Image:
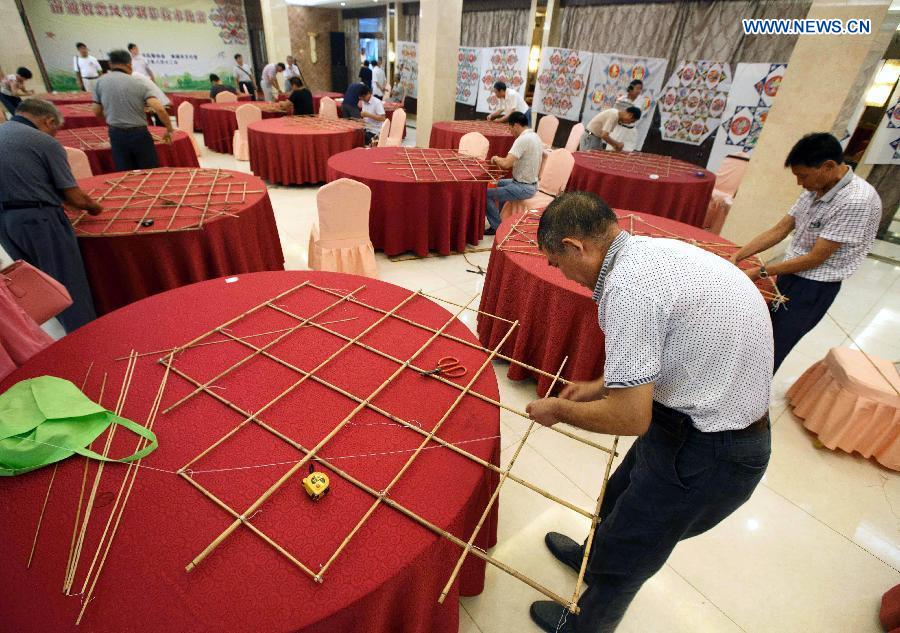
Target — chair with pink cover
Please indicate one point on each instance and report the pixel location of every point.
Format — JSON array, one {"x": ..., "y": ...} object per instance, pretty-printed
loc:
[
  {"x": 20, "y": 337},
  {"x": 383, "y": 134},
  {"x": 246, "y": 114},
  {"x": 79, "y": 163},
  {"x": 575, "y": 137},
  {"x": 226, "y": 97},
  {"x": 556, "y": 171},
  {"x": 852, "y": 402},
  {"x": 729, "y": 176},
  {"x": 185, "y": 122},
  {"x": 339, "y": 241},
  {"x": 328, "y": 108},
  {"x": 546, "y": 129},
  {"x": 474, "y": 144},
  {"x": 398, "y": 126}
]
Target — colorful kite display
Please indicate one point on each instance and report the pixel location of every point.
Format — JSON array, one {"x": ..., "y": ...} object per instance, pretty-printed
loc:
[
  {"x": 408, "y": 68},
  {"x": 561, "y": 82},
  {"x": 468, "y": 70},
  {"x": 693, "y": 101},
  {"x": 885, "y": 146},
  {"x": 508, "y": 64}
]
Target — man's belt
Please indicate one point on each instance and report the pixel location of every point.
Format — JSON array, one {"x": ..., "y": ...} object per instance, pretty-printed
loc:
[
  {"x": 759, "y": 426},
  {"x": 14, "y": 205}
]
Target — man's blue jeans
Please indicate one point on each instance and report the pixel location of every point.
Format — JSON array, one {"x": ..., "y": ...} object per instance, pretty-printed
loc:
[
  {"x": 674, "y": 483},
  {"x": 506, "y": 190}
]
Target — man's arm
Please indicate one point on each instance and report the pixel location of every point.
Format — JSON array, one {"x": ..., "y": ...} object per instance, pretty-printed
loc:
[
  {"x": 97, "y": 108},
  {"x": 821, "y": 250},
  {"x": 766, "y": 239},
  {"x": 156, "y": 105},
  {"x": 372, "y": 115},
  {"x": 624, "y": 411},
  {"x": 75, "y": 197},
  {"x": 505, "y": 162}
]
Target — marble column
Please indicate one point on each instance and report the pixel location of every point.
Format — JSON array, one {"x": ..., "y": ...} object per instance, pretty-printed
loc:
[{"x": 440, "y": 22}]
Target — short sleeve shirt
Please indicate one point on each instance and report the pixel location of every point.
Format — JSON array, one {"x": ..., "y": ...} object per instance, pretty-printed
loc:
[
  {"x": 217, "y": 88},
  {"x": 625, "y": 135},
  {"x": 140, "y": 65},
  {"x": 605, "y": 121},
  {"x": 33, "y": 165},
  {"x": 11, "y": 83},
  {"x": 374, "y": 106},
  {"x": 690, "y": 322},
  {"x": 123, "y": 98},
  {"x": 849, "y": 213},
  {"x": 378, "y": 79},
  {"x": 302, "y": 101},
  {"x": 243, "y": 73},
  {"x": 269, "y": 72},
  {"x": 88, "y": 67},
  {"x": 514, "y": 102},
  {"x": 528, "y": 150}
]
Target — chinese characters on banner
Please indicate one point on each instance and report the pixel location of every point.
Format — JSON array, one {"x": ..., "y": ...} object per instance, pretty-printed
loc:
[
  {"x": 508, "y": 64},
  {"x": 610, "y": 76},
  {"x": 693, "y": 101},
  {"x": 561, "y": 82},
  {"x": 407, "y": 69},
  {"x": 467, "y": 71}
]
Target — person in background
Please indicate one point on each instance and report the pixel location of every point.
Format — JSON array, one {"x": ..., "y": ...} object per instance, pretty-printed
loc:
[
  {"x": 372, "y": 114},
  {"x": 630, "y": 98},
  {"x": 599, "y": 133},
  {"x": 216, "y": 86},
  {"x": 508, "y": 101},
  {"x": 139, "y": 63},
  {"x": 834, "y": 223},
  {"x": 365, "y": 74},
  {"x": 379, "y": 79},
  {"x": 291, "y": 69},
  {"x": 300, "y": 97},
  {"x": 12, "y": 88},
  {"x": 35, "y": 181},
  {"x": 269, "y": 80},
  {"x": 350, "y": 106},
  {"x": 121, "y": 98},
  {"x": 524, "y": 159},
  {"x": 243, "y": 76},
  {"x": 87, "y": 68}
]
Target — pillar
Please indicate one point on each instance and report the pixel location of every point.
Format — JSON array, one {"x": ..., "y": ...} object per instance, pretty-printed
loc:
[
  {"x": 276, "y": 24},
  {"x": 440, "y": 22},
  {"x": 550, "y": 37}
]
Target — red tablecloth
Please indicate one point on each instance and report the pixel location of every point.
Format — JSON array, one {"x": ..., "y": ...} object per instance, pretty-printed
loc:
[
  {"x": 196, "y": 98},
  {"x": 623, "y": 181},
  {"x": 67, "y": 98},
  {"x": 126, "y": 261},
  {"x": 295, "y": 150},
  {"x": 317, "y": 98},
  {"x": 79, "y": 115},
  {"x": 446, "y": 135},
  {"x": 411, "y": 215},
  {"x": 220, "y": 122},
  {"x": 557, "y": 317},
  {"x": 389, "y": 577},
  {"x": 94, "y": 141}
]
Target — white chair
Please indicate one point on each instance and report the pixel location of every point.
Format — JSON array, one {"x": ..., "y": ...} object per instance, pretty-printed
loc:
[
  {"x": 328, "y": 108},
  {"x": 383, "y": 134},
  {"x": 728, "y": 178},
  {"x": 554, "y": 178},
  {"x": 226, "y": 97},
  {"x": 474, "y": 144},
  {"x": 339, "y": 241},
  {"x": 575, "y": 137},
  {"x": 79, "y": 163},
  {"x": 387, "y": 92},
  {"x": 546, "y": 129},
  {"x": 398, "y": 126},
  {"x": 185, "y": 122},
  {"x": 246, "y": 114}
]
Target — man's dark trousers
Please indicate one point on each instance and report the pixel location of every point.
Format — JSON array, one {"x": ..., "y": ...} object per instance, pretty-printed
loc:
[{"x": 132, "y": 148}]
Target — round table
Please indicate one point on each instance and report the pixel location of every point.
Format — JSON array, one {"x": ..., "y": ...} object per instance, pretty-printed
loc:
[
  {"x": 681, "y": 192},
  {"x": 295, "y": 150},
  {"x": 94, "y": 141},
  {"x": 67, "y": 98},
  {"x": 391, "y": 573},
  {"x": 206, "y": 223},
  {"x": 446, "y": 135},
  {"x": 196, "y": 98},
  {"x": 557, "y": 317},
  {"x": 411, "y": 210},
  {"x": 79, "y": 115},
  {"x": 220, "y": 122},
  {"x": 317, "y": 98}
]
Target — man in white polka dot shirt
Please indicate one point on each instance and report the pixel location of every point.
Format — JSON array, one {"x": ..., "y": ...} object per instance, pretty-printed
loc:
[{"x": 688, "y": 368}]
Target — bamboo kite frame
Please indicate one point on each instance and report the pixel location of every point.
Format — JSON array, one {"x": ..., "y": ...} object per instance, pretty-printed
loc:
[
  {"x": 311, "y": 455},
  {"x": 316, "y": 121},
  {"x": 483, "y": 127},
  {"x": 90, "y": 138},
  {"x": 441, "y": 165},
  {"x": 641, "y": 164}
]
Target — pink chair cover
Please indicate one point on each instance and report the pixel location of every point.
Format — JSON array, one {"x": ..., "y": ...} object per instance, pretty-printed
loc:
[
  {"x": 554, "y": 176},
  {"x": 246, "y": 114},
  {"x": 546, "y": 129},
  {"x": 226, "y": 97},
  {"x": 851, "y": 405},
  {"x": 327, "y": 108},
  {"x": 474, "y": 144},
  {"x": 185, "y": 122},
  {"x": 383, "y": 134},
  {"x": 20, "y": 336},
  {"x": 728, "y": 178},
  {"x": 79, "y": 163},
  {"x": 575, "y": 137},
  {"x": 398, "y": 125},
  {"x": 340, "y": 242}
]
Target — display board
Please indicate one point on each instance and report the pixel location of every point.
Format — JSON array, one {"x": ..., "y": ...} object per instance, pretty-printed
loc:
[
  {"x": 885, "y": 146},
  {"x": 562, "y": 80},
  {"x": 407, "y": 69},
  {"x": 693, "y": 100},
  {"x": 468, "y": 70},
  {"x": 508, "y": 64}
]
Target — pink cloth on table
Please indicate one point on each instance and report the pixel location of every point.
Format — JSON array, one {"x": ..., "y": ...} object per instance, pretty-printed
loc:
[
  {"x": 851, "y": 405},
  {"x": 20, "y": 336}
]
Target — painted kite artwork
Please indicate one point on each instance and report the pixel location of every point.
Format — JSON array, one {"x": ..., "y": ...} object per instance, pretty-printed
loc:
[
  {"x": 468, "y": 69},
  {"x": 610, "y": 76},
  {"x": 884, "y": 148},
  {"x": 228, "y": 15},
  {"x": 693, "y": 100},
  {"x": 508, "y": 64},
  {"x": 408, "y": 68},
  {"x": 561, "y": 82}
]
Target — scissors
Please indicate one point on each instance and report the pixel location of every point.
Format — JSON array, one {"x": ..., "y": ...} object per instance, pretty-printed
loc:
[{"x": 447, "y": 366}]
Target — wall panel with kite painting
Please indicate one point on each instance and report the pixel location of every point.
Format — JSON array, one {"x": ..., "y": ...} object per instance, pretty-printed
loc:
[
  {"x": 561, "y": 82},
  {"x": 408, "y": 69},
  {"x": 508, "y": 64},
  {"x": 468, "y": 70},
  {"x": 693, "y": 101}
]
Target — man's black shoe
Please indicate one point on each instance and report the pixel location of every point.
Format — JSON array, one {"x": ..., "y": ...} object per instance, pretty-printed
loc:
[
  {"x": 552, "y": 617},
  {"x": 565, "y": 549}
]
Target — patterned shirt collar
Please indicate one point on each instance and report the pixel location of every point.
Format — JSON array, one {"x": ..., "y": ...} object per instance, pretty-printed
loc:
[
  {"x": 843, "y": 182},
  {"x": 617, "y": 243}
]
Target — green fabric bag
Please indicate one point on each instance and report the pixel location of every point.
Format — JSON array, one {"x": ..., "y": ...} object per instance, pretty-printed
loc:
[{"x": 44, "y": 420}]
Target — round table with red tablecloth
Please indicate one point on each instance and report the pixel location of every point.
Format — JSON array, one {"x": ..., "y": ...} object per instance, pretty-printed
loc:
[
  {"x": 317, "y": 98},
  {"x": 168, "y": 227},
  {"x": 446, "y": 135},
  {"x": 557, "y": 317},
  {"x": 680, "y": 191},
  {"x": 78, "y": 115},
  {"x": 66, "y": 98},
  {"x": 295, "y": 150},
  {"x": 196, "y": 98},
  {"x": 389, "y": 576},
  {"x": 416, "y": 209},
  {"x": 220, "y": 122},
  {"x": 94, "y": 141}
]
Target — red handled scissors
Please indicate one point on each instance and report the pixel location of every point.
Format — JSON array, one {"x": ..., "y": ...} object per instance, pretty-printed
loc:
[{"x": 447, "y": 366}]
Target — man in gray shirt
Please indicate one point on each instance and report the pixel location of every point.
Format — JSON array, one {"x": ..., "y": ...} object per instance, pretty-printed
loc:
[
  {"x": 525, "y": 161},
  {"x": 35, "y": 179},
  {"x": 121, "y": 99}
]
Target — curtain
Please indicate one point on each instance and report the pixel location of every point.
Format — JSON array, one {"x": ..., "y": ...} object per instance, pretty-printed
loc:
[
  {"x": 495, "y": 28},
  {"x": 351, "y": 48},
  {"x": 410, "y": 30},
  {"x": 632, "y": 29}
]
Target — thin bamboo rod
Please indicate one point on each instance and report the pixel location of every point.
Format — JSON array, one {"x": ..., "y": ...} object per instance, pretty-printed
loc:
[
  {"x": 154, "y": 200},
  {"x": 184, "y": 195},
  {"x": 127, "y": 202},
  {"x": 494, "y": 496}
]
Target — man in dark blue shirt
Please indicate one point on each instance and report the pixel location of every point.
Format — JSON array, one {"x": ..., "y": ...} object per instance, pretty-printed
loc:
[
  {"x": 350, "y": 107},
  {"x": 365, "y": 74}
]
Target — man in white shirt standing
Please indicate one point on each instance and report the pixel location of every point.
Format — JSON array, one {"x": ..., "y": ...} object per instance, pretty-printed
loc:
[
  {"x": 139, "y": 63},
  {"x": 372, "y": 112},
  {"x": 524, "y": 159},
  {"x": 243, "y": 76},
  {"x": 87, "y": 68},
  {"x": 269, "y": 80},
  {"x": 291, "y": 69},
  {"x": 599, "y": 132},
  {"x": 508, "y": 101},
  {"x": 630, "y": 98},
  {"x": 379, "y": 80}
]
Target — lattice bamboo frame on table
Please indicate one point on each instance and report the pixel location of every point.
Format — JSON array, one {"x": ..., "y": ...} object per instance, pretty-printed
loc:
[
  {"x": 631, "y": 162},
  {"x": 430, "y": 438},
  {"x": 86, "y": 108},
  {"x": 522, "y": 239},
  {"x": 262, "y": 105},
  {"x": 89, "y": 138},
  {"x": 442, "y": 165},
  {"x": 315, "y": 121},
  {"x": 199, "y": 195},
  {"x": 483, "y": 127}
]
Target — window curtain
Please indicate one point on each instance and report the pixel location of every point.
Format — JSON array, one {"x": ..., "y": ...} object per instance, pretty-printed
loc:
[
  {"x": 410, "y": 30},
  {"x": 495, "y": 28}
]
